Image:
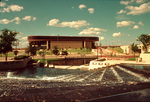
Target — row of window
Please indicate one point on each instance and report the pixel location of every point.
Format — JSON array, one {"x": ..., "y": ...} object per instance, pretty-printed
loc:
[{"x": 94, "y": 63}]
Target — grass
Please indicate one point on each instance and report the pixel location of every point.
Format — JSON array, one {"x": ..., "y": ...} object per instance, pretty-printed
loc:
[
  {"x": 79, "y": 51},
  {"x": 10, "y": 54},
  {"x": 131, "y": 59},
  {"x": 118, "y": 49}
]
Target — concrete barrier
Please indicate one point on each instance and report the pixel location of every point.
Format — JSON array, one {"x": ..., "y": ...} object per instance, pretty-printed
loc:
[
  {"x": 14, "y": 64},
  {"x": 145, "y": 57}
]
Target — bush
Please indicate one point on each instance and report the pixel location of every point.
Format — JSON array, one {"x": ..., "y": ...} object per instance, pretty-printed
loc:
[
  {"x": 15, "y": 53},
  {"x": 21, "y": 57},
  {"x": 64, "y": 53}
]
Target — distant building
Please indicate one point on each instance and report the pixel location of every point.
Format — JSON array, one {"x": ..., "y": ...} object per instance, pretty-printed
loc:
[
  {"x": 126, "y": 49},
  {"x": 141, "y": 47},
  {"x": 47, "y": 42}
]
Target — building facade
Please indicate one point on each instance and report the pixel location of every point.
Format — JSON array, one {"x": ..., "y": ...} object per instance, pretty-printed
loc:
[{"x": 48, "y": 42}]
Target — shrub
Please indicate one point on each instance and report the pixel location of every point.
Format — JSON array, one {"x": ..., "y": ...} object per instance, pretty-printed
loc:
[
  {"x": 64, "y": 53},
  {"x": 20, "y": 57}
]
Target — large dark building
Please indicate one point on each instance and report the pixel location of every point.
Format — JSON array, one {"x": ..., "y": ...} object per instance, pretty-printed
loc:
[{"x": 47, "y": 42}]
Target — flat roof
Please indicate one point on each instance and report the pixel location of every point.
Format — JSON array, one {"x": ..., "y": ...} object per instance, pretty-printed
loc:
[{"x": 62, "y": 38}]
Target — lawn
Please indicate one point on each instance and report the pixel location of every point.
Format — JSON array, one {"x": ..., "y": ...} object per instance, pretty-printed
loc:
[{"x": 118, "y": 49}]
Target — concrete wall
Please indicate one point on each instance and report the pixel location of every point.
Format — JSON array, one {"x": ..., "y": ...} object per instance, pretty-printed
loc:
[
  {"x": 125, "y": 48},
  {"x": 88, "y": 44},
  {"x": 14, "y": 64},
  {"x": 145, "y": 57},
  {"x": 67, "y": 44}
]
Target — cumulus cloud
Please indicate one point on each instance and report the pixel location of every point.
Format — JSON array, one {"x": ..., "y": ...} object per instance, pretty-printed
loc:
[
  {"x": 125, "y": 23},
  {"x": 92, "y": 31},
  {"x": 82, "y": 6},
  {"x": 29, "y": 18},
  {"x": 91, "y": 10},
  {"x": 16, "y": 19},
  {"x": 125, "y": 2},
  {"x": 122, "y": 11},
  {"x": 140, "y": 1},
  {"x": 141, "y": 23},
  {"x": 135, "y": 10},
  {"x": 116, "y": 34},
  {"x": 4, "y": 21},
  {"x": 2, "y": 4},
  {"x": 136, "y": 27},
  {"x": 73, "y": 24},
  {"x": 12, "y": 8},
  {"x": 23, "y": 38},
  {"x": 101, "y": 38}
]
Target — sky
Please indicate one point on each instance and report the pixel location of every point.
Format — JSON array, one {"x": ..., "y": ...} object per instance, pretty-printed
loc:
[{"x": 115, "y": 22}]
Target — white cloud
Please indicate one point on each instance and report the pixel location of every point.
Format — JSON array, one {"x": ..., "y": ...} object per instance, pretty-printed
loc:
[
  {"x": 91, "y": 10},
  {"x": 116, "y": 34},
  {"x": 53, "y": 22},
  {"x": 82, "y": 6},
  {"x": 4, "y": 21},
  {"x": 29, "y": 18},
  {"x": 122, "y": 11},
  {"x": 2, "y": 4},
  {"x": 124, "y": 2},
  {"x": 34, "y": 18},
  {"x": 140, "y": 1},
  {"x": 125, "y": 23},
  {"x": 17, "y": 19},
  {"x": 73, "y": 24},
  {"x": 12, "y": 8},
  {"x": 143, "y": 8},
  {"x": 136, "y": 27},
  {"x": 15, "y": 8},
  {"x": 23, "y": 44},
  {"x": 141, "y": 23},
  {"x": 101, "y": 38},
  {"x": 92, "y": 31},
  {"x": 23, "y": 38}
]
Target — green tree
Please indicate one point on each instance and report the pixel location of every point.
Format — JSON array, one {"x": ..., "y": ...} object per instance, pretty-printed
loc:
[
  {"x": 134, "y": 48},
  {"x": 31, "y": 50},
  {"x": 55, "y": 50},
  {"x": 7, "y": 38},
  {"x": 145, "y": 39}
]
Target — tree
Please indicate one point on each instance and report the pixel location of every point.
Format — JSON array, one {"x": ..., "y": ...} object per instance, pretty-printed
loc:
[
  {"x": 145, "y": 39},
  {"x": 7, "y": 38},
  {"x": 55, "y": 50},
  {"x": 134, "y": 48},
  {"x": 31, "y": 50}
]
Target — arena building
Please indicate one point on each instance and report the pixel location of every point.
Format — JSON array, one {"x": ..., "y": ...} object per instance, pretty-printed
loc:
[{"x": 47, "y": 42}]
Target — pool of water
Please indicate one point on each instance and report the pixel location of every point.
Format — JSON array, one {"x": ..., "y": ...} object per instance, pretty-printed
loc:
[{"x": 141, "y": 67}]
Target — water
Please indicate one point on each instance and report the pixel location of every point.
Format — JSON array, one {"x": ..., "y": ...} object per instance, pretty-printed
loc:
[
  {"x": 43, "y": 83},
  {"x": 141, "y": 67}
]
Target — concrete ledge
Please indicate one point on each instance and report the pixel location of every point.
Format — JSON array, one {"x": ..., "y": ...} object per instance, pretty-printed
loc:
[
  {"x": 14, "y": 64},
  {"x": 145, "y": 57}
]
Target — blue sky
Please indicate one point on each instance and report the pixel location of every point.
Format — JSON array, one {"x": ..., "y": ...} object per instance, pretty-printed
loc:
[{"x": 116, "y": 22}]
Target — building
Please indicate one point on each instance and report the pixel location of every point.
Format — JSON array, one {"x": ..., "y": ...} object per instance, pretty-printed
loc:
[
  {"x": 126, "y": 49},
  {"x": 47, "y": 42}
]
